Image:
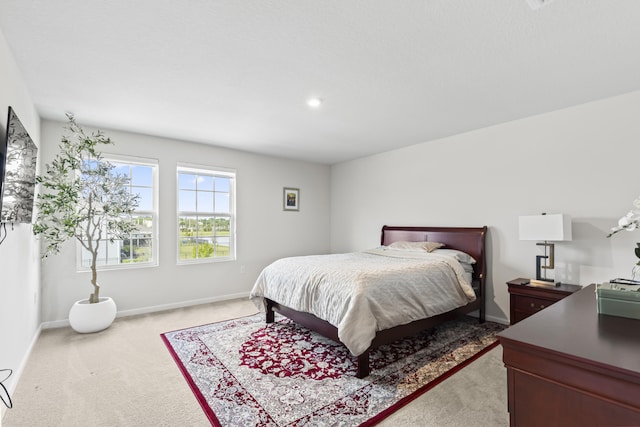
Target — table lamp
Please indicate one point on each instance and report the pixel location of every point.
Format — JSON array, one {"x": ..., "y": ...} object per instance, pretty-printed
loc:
[{"x": 552, "y": 227}]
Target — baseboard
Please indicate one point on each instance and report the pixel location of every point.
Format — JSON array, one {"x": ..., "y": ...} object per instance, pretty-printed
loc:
[
  {"x": 501, "y": 320},
  {"x": 144, "y": 310}
]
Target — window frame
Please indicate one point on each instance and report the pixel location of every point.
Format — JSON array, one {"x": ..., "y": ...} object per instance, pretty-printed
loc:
[
  {"x": 211, "y": 171},
  {"x": 154, "y": 213}
]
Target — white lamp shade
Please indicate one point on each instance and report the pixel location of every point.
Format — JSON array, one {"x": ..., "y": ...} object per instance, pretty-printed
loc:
[{"x": 553, "y": 227}]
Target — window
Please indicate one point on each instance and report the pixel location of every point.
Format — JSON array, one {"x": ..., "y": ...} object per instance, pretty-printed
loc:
[
  {"x": 206, "y": 221},
  {"x": 140, "y": 248}
]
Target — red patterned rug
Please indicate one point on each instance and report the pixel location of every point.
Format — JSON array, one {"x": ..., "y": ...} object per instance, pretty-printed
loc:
[{"x": 247, "y": 373}]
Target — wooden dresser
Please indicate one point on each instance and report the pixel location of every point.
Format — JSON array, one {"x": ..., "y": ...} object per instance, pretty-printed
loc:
[{"x": 570, "y": 366}]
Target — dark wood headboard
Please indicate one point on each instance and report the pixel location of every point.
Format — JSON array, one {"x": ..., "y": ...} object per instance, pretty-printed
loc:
[{"x": 467, "y": 239}]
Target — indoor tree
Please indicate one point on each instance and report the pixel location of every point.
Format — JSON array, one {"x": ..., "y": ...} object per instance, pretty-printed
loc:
[{"x": 82, "y": 196}]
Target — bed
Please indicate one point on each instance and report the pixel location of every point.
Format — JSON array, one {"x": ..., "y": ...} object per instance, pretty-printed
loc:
[{"x": 276, "y": 288}]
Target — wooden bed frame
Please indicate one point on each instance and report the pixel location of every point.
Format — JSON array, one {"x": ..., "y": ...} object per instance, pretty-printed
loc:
[{"x": 466, "y": 239}]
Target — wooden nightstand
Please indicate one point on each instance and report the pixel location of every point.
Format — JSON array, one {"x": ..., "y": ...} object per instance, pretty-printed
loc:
[{"x": 526, "y": 300}]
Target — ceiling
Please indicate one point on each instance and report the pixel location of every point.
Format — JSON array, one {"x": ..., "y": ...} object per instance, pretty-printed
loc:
[{"x": 238, "y": 73}]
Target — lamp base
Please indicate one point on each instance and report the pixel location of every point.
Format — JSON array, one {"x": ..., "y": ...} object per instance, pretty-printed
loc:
[{"x": 543, "y": 283}]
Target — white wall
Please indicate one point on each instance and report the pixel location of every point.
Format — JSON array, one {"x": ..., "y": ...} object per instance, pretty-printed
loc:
[
  {"x": 265, "y": 232},
  {"x": 19, "y": 260},
  {"x": 582, "y": 161}
]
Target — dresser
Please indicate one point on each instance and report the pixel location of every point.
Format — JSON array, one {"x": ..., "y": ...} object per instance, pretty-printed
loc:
[
  {"x": 570, "y": 366},
  {"x": 526, "y": 300}
]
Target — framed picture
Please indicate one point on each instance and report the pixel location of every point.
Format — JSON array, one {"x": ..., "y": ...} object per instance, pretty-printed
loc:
[{"x": 291, "y": 199}]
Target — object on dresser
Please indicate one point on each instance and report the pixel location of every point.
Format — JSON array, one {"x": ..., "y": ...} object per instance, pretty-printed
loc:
[
  {"x": 621, "y": 281},
  {"x": 544, "y": 284},
  {"x": 618, "y": 300}
]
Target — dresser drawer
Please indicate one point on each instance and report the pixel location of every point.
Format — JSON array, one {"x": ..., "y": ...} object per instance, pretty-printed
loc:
[{"x": 530, "y": 305}]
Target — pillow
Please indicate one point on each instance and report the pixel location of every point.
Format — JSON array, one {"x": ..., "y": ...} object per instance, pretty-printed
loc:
[
  {"x": 462, "y": 257},
  {"x": 416, "y": 246},
  {"x": 468, "y": 268}
]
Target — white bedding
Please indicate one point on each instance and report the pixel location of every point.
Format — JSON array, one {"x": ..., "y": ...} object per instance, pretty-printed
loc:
[{"x": 363, "y": 292}]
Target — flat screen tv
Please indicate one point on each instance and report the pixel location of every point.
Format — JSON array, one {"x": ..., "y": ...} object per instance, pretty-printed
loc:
[
  {"x": 3, "y": 159},
  {"x": 18, "y": 171}
]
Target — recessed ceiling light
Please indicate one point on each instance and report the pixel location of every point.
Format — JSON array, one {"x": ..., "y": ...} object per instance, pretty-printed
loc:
[
  {"x": 314, "y": 102},
  {"x": 537, "y": 4}
]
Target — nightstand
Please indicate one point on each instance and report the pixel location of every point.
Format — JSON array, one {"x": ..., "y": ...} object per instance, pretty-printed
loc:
[{"x": 526, "y": 300}]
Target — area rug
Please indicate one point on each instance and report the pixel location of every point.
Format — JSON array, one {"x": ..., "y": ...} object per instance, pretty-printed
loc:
[{"x": 245, "y": 372}]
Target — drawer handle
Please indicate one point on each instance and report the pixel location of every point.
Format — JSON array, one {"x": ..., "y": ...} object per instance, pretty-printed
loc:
[
  {"x": 534, "y": 306},
  {"x": 541, "y": 306}
]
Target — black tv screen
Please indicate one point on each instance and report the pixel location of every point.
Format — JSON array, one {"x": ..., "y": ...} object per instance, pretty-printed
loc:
[
  {"x": 19, "y": 172},
  {"x": 3, "y": 158}
]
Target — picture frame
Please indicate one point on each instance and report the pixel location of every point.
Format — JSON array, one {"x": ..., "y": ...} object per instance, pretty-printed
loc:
[{"x": 291, "y": 199}]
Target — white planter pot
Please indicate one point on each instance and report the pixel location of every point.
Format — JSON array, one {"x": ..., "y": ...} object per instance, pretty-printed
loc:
[{"x": 86, "y": 318}]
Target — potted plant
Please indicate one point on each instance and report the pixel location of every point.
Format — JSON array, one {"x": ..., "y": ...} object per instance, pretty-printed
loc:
[
  {"x": 83, "y": 197},
  {"x": 630, "y": 222}
]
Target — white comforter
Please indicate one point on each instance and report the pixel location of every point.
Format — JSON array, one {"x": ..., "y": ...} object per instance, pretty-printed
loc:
[{"x": 364, "y": 292}]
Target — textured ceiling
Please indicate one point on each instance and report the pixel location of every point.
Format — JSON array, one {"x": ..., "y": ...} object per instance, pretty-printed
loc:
[{"x": 237, "y": 73}]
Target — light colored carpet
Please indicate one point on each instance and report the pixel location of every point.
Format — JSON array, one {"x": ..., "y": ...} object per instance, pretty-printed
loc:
[{"x": 124, "y": 376}]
